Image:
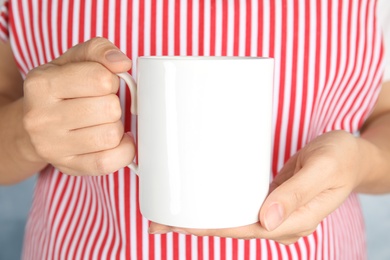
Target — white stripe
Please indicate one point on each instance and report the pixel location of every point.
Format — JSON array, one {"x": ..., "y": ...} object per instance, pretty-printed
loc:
[
  {"x": 111, "y": 19},
  {"x": 147, "y": 29},
  {"x": 206, "y": 28},
  {"x": 159, "y": 24},
  {"x": 87, "y": 20},
  {"x": 145, "y": 239},
  {"x": 264, "y": 250},
  {"x": 182, "y": 247},
  {"x": 240, "y": 249},
  {"x": 252, "y": 249},
  {"x": 229, "y": 249},
  {"x": 169, "y": 245},
  {"x": 218, "y": 28},
  {"x": 54, "y": 39},
  {"x": 99, "y": 18},
  {"x": 195, "y": 28},
  {"x": 242, "y": 29},
  {"x": 255, "y": 28},
  {"x": 194, "y": 247},
  {"x": 183, "y": 28},
  {"x": 36, "y": 31},
  {"x": 64, "y": 26},
  {"x": 157, "y": 247},
  {"x": 171, "y": 27},
  {"x": 217, "y": 247},
  {"x": 266, "y": 31},
  {"x": 230, "y": 29},
  {"x": 205, "y": 241},
  {"x": 76, "y": 23}
]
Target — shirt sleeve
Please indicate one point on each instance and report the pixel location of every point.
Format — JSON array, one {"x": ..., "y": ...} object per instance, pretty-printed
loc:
[
  {"x": 4, "y": 32},
  {"x": 384, "y": 18}
]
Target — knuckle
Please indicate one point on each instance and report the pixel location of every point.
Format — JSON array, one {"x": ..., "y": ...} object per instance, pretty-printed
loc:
[
  {"x": 101, "y": 166},
  {"x": 105, "y": 79},
  {"x": 111, "y": 137},
  {"x": 95, "y": 45},
  {"x": 113, "y": 108}
]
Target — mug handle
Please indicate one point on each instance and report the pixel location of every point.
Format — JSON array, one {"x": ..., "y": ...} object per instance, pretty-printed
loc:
[{"x": 133, "y": 93}]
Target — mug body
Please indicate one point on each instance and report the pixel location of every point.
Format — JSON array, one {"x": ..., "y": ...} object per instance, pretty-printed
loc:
[{"x": 204, "y": 139}]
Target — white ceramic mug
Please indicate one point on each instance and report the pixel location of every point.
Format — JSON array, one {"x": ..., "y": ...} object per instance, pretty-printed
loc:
[{"x": 204, "y": 138}]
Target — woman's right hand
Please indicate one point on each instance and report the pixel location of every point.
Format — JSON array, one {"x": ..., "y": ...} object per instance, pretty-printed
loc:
[{"x": 72, "y": 113}]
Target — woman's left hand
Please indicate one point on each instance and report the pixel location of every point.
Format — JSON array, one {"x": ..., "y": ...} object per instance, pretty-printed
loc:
[{"x": 310, "y": 186}]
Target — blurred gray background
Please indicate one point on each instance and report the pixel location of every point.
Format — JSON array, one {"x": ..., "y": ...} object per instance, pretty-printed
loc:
[{"x": 15, "y": 203}]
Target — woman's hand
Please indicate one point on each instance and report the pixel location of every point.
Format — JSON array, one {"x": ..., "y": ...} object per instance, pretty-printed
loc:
[
  {"x": 311, "y": 185},
  {"x": 72, "y": 113}
]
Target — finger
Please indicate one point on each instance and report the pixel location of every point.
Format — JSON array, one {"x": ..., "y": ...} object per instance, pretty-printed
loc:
[
  {"x": 156, "y": 228},
  {"x": 88, "y": 79},
  {"x": 72, "y": 114},
  {"x": 288, "y": 170},
  {"x": 93, "y": 139},
  {"x": 293, "y": 194},
  {"x": 103, "y": 162},
  {"x": 99, "y": 50}
]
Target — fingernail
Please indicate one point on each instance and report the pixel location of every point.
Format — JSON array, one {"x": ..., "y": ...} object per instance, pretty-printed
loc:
[
  {"x": 273, "y": 217},
  {"x": 116, "y": 56}
]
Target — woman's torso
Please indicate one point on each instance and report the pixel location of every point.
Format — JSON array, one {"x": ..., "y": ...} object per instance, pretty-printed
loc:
[{"x": 327, "y": 75}]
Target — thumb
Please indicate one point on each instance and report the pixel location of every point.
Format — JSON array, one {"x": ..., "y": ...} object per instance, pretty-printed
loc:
[
  {"x": 290, "y": 195},
  {"x": 98, "y": 50}
]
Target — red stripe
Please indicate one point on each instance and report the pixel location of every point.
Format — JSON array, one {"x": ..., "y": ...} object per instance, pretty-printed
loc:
[
  {"x": 224, "y": 27},
  {"x": 235, "y": 249},
  {"x": 82, "y": 22},
  {"x": 105, "y": 19},
  {"x": 246, "y": 249},
  {"x": 151, "y": 247},
  {"x": 59, "y": 27},
  {"x": 248, "y": 27},
  {"x": 141, "y": 28},
  {"x": 94, "y": 18},
  {"x": 153, "y": 30},
  {"x": 211, "y": 247},
  {"x": 175, "y": 246},
  {"x": 260, "y": 29},
  {"x": 188, "y": 247},
  {"x": 165, "y": 27},
  {"x": 236, "y": 45},
  {"x": 164, "y": 247},
  {"x": 201, "y": 28},
  {"x": 200, "y": 248},
  {"x": 213, "y": 21},
  {"x": 70, "y": 22},
  {"x": 223, "y": 248},
  {"x": 177, "y": 27},
  {"x": 189, "y": 27}
]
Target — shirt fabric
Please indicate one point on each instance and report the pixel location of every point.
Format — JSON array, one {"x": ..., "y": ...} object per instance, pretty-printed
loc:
[{"x": 328, "y": 69}]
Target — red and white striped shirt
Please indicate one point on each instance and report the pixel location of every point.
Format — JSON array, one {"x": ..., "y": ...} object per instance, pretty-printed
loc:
[{"x": 328, "y": 56}]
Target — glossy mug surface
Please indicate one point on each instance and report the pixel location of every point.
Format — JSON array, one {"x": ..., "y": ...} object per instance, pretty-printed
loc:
[{"x": 204, "y": 139}]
